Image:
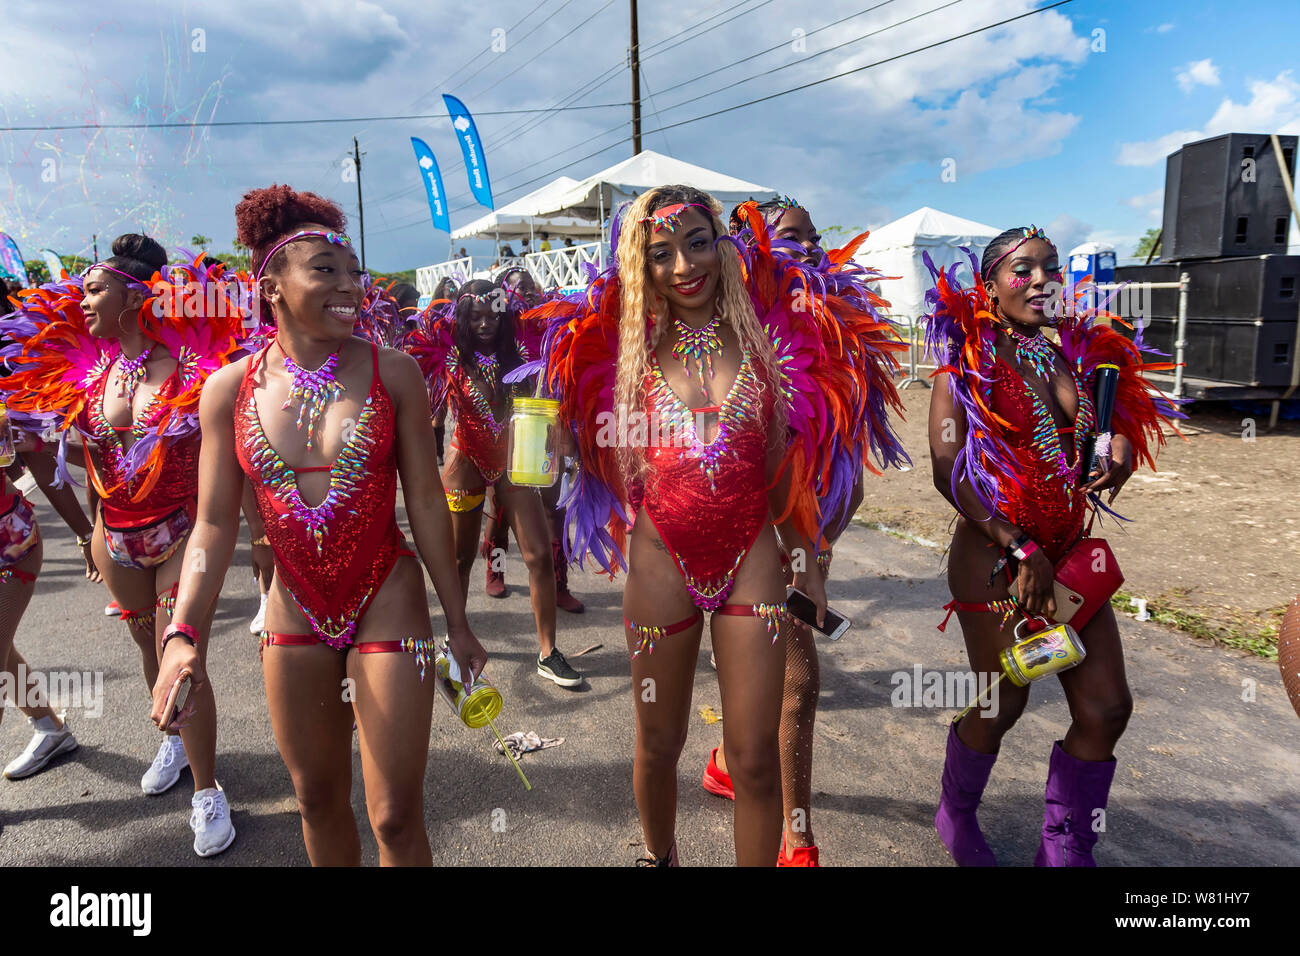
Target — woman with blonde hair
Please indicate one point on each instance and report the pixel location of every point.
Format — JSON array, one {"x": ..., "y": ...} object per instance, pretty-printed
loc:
[{"x": 708, "y": 405}]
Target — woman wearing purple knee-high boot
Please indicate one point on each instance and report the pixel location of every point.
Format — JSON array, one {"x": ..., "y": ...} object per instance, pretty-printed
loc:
[{"x": 1007, "y": 417}]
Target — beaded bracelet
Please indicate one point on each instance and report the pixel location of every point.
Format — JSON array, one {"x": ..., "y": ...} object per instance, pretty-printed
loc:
[
  {"x": 82, "y": 542},
  {"x": 263, "y": 541},
  {"x": 181, "y": 630}
]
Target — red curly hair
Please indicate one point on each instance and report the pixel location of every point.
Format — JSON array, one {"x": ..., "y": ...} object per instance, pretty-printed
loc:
[{"x": 265, "y": 216}]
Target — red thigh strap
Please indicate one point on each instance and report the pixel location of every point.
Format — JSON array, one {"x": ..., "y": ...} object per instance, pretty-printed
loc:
[
  {"x": 422, "y": 648},
  {"x": 21, "y": 575},
  {"x": 647, "y": 634},
  {"x": 773, "y": 614},
  {"x": 1006, "y": 607}
]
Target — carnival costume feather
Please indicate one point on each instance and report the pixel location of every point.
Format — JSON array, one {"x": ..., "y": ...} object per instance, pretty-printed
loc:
[
  {"x": 834, "y": 354},
  {"x": 961, "y": 333},
  {"x": 192, "y": 310}
]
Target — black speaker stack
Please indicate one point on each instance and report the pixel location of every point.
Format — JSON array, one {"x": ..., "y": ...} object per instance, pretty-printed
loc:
[{"x": 1226, "y": 222}]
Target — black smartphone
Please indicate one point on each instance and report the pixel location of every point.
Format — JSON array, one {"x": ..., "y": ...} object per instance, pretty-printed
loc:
[{"x": 803, "y": 608}]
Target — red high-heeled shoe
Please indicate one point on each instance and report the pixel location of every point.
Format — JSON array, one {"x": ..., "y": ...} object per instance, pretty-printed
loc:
[{"x": 716, "y": 781}]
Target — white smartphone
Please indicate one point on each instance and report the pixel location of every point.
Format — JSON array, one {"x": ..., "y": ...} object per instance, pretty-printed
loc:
[{"x": 803, "y": 608}]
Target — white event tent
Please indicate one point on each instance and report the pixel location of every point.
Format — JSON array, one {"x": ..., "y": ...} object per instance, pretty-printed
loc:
[
  {"x": 895, "y": 250},
  {"x": 599, "y": 195},
  {"x": 526, "y": 216}
]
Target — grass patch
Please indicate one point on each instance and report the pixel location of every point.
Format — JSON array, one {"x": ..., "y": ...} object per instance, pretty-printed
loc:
[{"x": 1256, "y": 633}]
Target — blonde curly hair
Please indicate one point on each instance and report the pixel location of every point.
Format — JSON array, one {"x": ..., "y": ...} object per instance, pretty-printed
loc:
[{"x": 638, "y": 299}]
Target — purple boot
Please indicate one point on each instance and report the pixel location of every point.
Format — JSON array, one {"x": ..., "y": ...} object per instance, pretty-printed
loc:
[
  {"x": 1076, "y": 789},
  {"x": 965, "y": 774}
]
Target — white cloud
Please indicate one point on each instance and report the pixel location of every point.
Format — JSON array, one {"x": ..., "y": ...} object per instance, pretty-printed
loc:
[
  {"x": 1274, "y": 107},
  {"x": 1149, "y": 204},
  {"x": 1162, "y": 28},
  {"x": 1068, "y": 232},
  {"x": 1197, "y": 73},
  {"x": 993, "y": 99}
]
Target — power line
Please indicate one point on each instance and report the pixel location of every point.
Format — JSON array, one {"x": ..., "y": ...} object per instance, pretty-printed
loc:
[
  {"x": 796, "y": 89},
  {"x": 490, "y": 62},
  {"x": 485, "y": 90},
  {"x": 859, "y": 69},
  {"x": 296, "y": 122},
  {"x": 601, "y": 78},
  {"x": 782, "y": 45},
  {"x": 786, "y": 66},
  {"x": 488, "y": 49}
]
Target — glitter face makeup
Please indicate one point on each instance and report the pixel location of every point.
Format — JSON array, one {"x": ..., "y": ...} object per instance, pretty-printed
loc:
[{"x": 1019, "y": 281}]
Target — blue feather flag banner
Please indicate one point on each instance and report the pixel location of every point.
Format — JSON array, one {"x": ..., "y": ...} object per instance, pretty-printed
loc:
[
  {"x": 472, "y": 149},
  {"x": 11, "y": 262},
  {"x": 432, "y": 184}
]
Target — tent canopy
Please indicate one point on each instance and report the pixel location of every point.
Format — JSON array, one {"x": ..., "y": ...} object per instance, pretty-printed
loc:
[
  {"x": 599, "y": 195},
  {"x": 526, "y": 217},
  {"x": 895, "y": 249}
]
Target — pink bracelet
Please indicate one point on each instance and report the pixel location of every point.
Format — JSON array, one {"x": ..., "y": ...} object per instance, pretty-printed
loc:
[
  {"x": 1025, "y": 551},
  {"x": 183, "y": 630}
]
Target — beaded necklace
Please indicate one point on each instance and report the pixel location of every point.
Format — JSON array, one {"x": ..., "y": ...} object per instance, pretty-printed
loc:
[
  {"x": 130, "y": 373},
  {"x": 1035, "y": 351},
  {"x": 312, "y": 390},
  {"x": 699, "y": 345},
  {"x": 489, "y": 365}
]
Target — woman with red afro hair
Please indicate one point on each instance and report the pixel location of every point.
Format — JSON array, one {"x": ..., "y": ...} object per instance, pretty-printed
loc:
[{"x": 319, "y": 415}]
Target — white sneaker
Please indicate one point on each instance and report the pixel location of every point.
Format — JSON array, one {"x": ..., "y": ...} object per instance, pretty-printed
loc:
[
  {"x": 258, "y": 624},
  {"x": 44, "y": 746},
  {"x": 166, "y": 767},
  {"x": 112, "y": 609},
  {"x": 210, "y": 822}
]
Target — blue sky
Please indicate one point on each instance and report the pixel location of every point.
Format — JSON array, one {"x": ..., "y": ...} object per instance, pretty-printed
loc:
[{"x": 1041, "y": 124}]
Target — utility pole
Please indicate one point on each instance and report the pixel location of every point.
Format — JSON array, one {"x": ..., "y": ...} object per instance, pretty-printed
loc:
[
  {"x": 361, "y": 212},
  {"x": 636, "y": 86},
  {"x": 94, "y": 241}
]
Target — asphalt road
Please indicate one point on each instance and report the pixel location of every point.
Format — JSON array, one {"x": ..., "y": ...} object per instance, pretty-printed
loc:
[{"x": 1206, "y": 776}]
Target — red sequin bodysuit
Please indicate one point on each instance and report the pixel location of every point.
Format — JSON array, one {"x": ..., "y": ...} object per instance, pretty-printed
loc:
[
  {"x": 708, "y": 502},
  {"x": 332, "y": 558},
  {"x": 479, "y": 434},
  {"x": 1047, "y": 506},
  {"x": 177, "y": 485}
]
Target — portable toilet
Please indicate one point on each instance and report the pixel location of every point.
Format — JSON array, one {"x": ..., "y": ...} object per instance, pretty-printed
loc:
[{"x": 1093, "y": 259}]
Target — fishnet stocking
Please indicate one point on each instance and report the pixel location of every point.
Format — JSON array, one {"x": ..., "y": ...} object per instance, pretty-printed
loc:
[{"x": 798, "y": 711}]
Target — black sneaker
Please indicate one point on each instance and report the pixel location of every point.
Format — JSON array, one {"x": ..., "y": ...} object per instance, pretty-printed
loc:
[
  {"x": 652, "y": 860},
  {"x": 556, "y": 668}
]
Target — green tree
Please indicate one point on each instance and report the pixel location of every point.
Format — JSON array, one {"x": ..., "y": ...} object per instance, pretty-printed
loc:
[
  {"x": 1149, "y": 241},
  {"x": 37, "y": 271},
  {"x": 200, "y": 241}
]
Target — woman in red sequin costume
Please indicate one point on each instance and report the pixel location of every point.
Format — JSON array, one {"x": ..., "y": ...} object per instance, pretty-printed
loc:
[
  {"x": 321, "y": 415},
  {"x": 794, "y": 233},
  {"x": 1009, "y": 412},
  {"x": 140, "y": 531},
  {"x": 485, "y": 347},
  {"x": 693, "y": 375}
]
